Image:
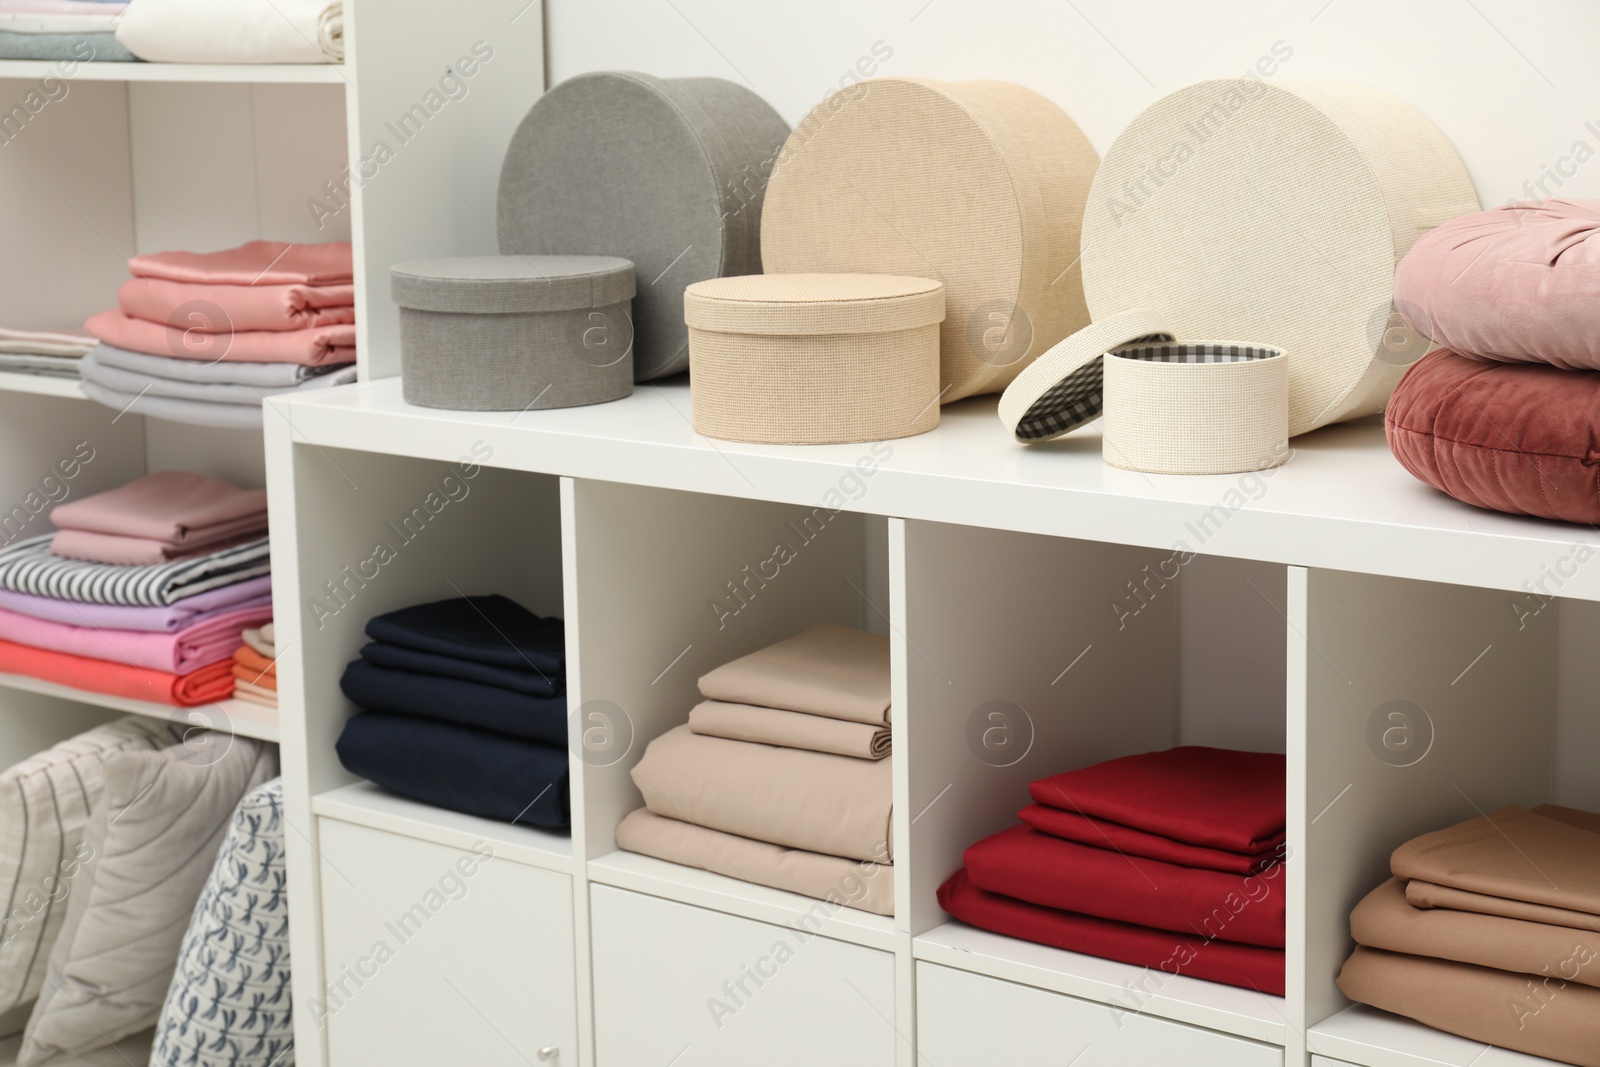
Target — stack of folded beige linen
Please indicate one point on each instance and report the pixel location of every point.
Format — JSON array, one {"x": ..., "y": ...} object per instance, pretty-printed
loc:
[
  {"x": 1491, "y": 930},
  {"x": 779, "y": 777}
]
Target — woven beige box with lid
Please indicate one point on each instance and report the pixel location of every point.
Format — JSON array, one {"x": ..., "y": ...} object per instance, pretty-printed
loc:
[
  {"x": 805, "y": 359},
  {"x": 979, "y": 184}
]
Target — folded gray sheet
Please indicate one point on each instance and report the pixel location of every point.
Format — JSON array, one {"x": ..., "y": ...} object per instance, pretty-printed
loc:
[
  {"x": 266, "y": 375},
  {"x": 82, "y": 47}
]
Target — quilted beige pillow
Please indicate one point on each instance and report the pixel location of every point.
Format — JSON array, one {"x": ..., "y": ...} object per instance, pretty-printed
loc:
[
  {"x": 44, "y": 813},
  {"x": 154, "y": 838}
]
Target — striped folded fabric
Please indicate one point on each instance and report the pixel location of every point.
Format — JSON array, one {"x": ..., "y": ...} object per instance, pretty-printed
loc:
[{"x": 30, "y": 567}]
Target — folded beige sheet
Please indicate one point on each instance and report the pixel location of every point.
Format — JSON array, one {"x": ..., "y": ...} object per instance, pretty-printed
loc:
[
  {"x": 1384, "y": 920},
  {"x": 828, "y": 670},
  {"x": 815, "y": 801},
  {"x": 791, "y": 729},
  {"x": 852, "y": 883},
  {"x": 1539, "y": 1015},
  {"x": 1515, "y": 855},
  {"x": 1428, "y": 895}
]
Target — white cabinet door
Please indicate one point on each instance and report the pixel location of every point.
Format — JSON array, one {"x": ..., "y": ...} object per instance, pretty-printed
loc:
[
  {"x": 440, "y": 956},
  {"x": 685, "y": 986},
  {"x": 966, "y": 1018}
]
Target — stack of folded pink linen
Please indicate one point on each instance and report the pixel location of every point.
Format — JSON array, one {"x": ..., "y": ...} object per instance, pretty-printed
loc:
[
  {"x": 144, "y": 591},
  {"x": 205, "y": 337}
]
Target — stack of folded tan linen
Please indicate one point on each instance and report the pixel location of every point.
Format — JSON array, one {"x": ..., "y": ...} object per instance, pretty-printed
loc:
[
  {"x": 53, "y": 354},
  {"x": 255, "y": 667},
  {"x": 1170, "y": 860},
  {"x": 205, "y": 337},
  {"x": 1491, "y": 930},
  {"x": 780, "y": 776}
]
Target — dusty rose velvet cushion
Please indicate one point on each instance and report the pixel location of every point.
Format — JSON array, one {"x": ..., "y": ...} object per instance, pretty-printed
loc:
[
  {"x": 1520, "y": 439},
  {"x": 1520, "y": 284}
]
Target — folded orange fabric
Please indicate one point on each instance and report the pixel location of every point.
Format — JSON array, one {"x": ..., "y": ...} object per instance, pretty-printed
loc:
[
  {"x": 207, "y": 685},
  {"x": 251, "y": 677},
  {"x": 250, "y": 659},
  {"x": 313, "y": 347}
]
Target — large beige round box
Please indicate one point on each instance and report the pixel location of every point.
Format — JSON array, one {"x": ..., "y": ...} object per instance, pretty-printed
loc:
[
  {"x": 1276, "y": 212},
  {"x": 980, "y": 185},
  {"x": 805, "y": 359}
]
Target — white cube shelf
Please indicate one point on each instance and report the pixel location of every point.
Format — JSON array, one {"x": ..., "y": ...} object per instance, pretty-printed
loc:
[{"x": 1101, "y": 613}]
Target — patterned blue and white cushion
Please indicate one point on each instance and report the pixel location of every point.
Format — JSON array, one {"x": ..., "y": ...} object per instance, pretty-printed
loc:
[{"x": 229, "y": 1005}]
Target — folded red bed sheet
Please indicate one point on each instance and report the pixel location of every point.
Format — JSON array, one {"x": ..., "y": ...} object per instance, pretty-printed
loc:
[
  {"x": 1249, "y": 966},
  {"x": 1071, "y": 826},
  {"x": 1210, "y": 797},
  {"x": 203, "y": 686},
  {"x": 1040, "y": 869}
]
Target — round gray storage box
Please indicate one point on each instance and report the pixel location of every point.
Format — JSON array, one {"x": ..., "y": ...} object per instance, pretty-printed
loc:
[
  {"x": 515, "y": 333},
  {"x": 667, "y": 172}
]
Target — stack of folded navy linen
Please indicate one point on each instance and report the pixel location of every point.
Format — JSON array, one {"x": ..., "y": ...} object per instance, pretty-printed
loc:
[{"x": 466, "y": 709}]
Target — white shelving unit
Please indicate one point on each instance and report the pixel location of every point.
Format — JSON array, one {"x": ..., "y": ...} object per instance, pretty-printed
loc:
[
  {"x": 138, "y": 157},
  {"x": 1315, "y": 597}
]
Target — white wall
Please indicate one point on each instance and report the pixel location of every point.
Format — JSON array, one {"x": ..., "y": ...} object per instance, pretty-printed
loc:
[{"x": 1512, "y": 84}]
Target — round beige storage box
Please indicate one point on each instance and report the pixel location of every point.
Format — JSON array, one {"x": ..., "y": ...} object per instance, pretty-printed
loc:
[
  {"x": 1275, "y": 212},
  {"x": 806, "y": 359},
  {"x": 1195, "y": 407},
  {"x": 980, "y": 185}
]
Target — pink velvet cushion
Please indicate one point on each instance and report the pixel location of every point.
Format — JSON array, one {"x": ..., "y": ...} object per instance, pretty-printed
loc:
[
  {"x": 1519, "y": 284},
  {"x": 1520, "y": 439}
]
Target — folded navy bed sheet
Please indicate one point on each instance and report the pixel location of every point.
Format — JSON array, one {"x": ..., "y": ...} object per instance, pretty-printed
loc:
[
  {"x": 458, "y": 768},
  {"x": 429, "y": 696},
  {"x": 396, "y": 657},
  {"x": 492, "y": 630}
]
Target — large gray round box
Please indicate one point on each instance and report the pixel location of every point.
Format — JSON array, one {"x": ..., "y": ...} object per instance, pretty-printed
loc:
[
  {"x": 669, "y": 173},
  {"x": 515, "y": 333}
]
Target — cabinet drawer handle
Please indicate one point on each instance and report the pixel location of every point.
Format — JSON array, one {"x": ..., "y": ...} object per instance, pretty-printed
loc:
[{"x": 549, "y": 1052}]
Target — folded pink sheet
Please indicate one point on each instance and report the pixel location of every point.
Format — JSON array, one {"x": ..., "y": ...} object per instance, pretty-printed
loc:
[
  {"x": 254, "y": 263},
  {"x": 174, "y": 507},
  {"x": 180, "y": 652},
  {"x": 141, "y": 551},
  {"x": 225, "y": 308},
  {"x": 313, "y": 347}
]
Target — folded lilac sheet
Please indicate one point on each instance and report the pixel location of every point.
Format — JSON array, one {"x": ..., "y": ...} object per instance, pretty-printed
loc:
[{"x": 252, "y": 592}]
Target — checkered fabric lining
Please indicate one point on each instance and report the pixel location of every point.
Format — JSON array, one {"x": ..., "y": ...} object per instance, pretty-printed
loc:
[
  {"x": 1077, "y": 398},
  {"x": 1193, "y": 352}
]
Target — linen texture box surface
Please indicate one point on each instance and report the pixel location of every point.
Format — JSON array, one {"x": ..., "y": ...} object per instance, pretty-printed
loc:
[
  {"x": 814, "y": 358},
  {"x": 515, "y": 333},
  {"x": 1199, "y": 407},
  {"x": 980, "y": 185},
  {"x": 1276, "y": 212},
  {"x": 669, "y": 173}
]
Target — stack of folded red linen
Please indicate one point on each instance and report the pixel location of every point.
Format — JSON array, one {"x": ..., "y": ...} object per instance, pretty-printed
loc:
[
  {"x": 1171, "y": 860},
  {"x": 141, "y": 592},
  {"x": 204, "y": 337}
]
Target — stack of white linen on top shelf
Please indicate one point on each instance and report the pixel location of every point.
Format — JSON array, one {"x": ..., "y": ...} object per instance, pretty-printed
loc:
[{"x": 235, "y": 31}]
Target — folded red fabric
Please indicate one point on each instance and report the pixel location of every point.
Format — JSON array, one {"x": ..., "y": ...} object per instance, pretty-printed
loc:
[
  {"x": 1071, "y": 826},
  {"x": 206, "y": 685},
  {"x": 253, "y": 263},
  {"x": 1212, "y": 797},
  {"x": 224, "y": 308},
  {"x": 314, "y": 347},
  {"x": 174, "y": 507},
  {"x": 1249, "y": 966},
  {"x": 1025, "y": 864}
]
